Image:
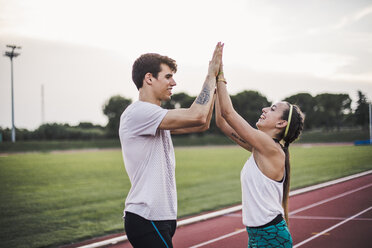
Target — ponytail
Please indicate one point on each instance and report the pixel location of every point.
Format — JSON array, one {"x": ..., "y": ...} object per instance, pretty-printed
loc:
[
  {"x": 286, "y": 182},
  {"x": 295, "y": 125}
]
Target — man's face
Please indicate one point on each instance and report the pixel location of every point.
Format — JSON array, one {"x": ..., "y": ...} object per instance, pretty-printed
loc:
[{"x": 163, "y": 85}]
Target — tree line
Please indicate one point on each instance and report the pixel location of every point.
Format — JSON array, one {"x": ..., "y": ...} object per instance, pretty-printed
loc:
[{"x": 324, "y": 111}]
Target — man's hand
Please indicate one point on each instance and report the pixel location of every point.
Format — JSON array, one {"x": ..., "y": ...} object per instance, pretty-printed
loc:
[
  {"x": 197, "y": 114},
  {"x": 215, "y": 63}
]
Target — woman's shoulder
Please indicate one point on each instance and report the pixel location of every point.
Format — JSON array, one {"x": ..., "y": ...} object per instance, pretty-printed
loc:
[{"x": 271, "y": 165}]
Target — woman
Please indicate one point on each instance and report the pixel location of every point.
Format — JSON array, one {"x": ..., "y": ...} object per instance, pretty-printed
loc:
[{"x": 265, "y": 176}]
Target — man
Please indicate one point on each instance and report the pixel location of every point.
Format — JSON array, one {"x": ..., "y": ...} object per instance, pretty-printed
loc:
[{"x": 151, "y": 205}]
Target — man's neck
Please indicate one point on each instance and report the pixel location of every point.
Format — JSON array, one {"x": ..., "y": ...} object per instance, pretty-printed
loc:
[{"x": 146, "y": 97}]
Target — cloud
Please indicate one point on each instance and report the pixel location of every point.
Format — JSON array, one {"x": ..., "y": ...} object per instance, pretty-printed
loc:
[
  {"x": 354, "y": 17},
  {"x": 317, "y": 64},
  {"x": 86, "y": 47},
  {"x": 77, "y": 81}
]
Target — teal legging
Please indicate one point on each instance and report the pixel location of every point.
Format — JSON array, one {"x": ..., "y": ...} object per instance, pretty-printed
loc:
[{"x": 272, "y": 236}]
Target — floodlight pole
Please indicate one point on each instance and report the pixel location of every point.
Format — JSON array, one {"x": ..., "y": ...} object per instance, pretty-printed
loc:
[
  {"x": 11, "y": 55},
  {"x": 42, "y": 105},
  {"x": 370, "y": 123}
]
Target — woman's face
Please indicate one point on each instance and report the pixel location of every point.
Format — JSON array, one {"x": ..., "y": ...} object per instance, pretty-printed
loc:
[{"x": 271, "y": 116}]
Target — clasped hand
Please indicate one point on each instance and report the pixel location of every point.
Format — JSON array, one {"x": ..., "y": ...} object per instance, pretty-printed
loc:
[{"x": 215, "y": 65}]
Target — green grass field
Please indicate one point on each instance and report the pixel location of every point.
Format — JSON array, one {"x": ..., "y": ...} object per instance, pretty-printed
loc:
[
  {"x": 311, "y": 136},
  {"x": 51, "y": 199}
]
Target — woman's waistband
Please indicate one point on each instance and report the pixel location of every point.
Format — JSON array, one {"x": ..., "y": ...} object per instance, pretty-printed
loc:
[{"x": 275, "y": 221}]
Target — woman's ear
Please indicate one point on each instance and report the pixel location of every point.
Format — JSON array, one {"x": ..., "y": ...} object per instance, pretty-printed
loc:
[
  {"x": 281, "y": 124},
  {"x": 148, "y": 78}
]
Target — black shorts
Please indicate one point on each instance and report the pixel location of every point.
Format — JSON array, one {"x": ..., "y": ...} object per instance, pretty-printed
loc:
[{"x": 146, "y": 233}]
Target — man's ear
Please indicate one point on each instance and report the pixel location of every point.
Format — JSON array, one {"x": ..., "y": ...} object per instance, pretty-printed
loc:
[
  {"x": 281, "y": 124},
  {"x": 148, "y": 78}
]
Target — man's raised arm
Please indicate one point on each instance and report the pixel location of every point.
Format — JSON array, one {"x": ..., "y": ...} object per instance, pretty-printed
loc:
[{"x": 197, "y": 114}]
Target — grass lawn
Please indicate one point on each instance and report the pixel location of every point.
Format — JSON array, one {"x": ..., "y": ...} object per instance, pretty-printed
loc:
[
  {"x": 311, "y": 136},
  {"x": 50, "y": 199}
]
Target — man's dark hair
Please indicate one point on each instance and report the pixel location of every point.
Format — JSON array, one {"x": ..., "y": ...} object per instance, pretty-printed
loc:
[{"x": 150, "y": 62}]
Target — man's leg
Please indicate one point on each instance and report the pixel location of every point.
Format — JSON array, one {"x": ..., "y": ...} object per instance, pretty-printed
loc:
[{"x": 144, "y": 233}]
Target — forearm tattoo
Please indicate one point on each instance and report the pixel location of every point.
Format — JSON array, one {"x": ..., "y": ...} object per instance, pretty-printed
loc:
[
  {"x": 238, "y": 138},
  {"x": 204, "y": 95}
]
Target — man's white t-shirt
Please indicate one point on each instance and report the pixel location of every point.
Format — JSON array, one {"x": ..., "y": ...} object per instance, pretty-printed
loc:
[{"x": 149, "y": 161}]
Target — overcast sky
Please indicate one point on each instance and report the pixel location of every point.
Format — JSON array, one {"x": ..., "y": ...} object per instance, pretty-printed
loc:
[{"x": 82, "y": 50}]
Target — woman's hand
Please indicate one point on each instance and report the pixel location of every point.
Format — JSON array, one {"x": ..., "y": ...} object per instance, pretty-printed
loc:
[
  {"x": 215, "y": 63},
  {"x": 221, "y": 76}
]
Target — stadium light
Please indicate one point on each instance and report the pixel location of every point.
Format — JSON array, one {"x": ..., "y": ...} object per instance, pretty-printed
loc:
[
  {"x": 11, "y": 54},
  {"x": 370, "y": 123}
]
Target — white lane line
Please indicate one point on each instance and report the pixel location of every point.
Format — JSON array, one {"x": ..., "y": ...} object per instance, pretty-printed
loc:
[
  {"x": 331, "y": 228},
  {"x": 330, "y": 199},
  {"x": 304, "y": 217},
  {"x": 105, "y": 242},
  {"x": 232, "y": 209},
  {"x": 209, "y": 215},
  {"x": 329, "y": 183},
  {"x": 301, "y": 217},
  {"x": 179, "y": 223},
  {"x": 293, "y": 212},
  {"x": 219, "y": 238}
]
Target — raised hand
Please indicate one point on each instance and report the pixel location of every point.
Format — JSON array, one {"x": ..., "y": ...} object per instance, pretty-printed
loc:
[
  {"x": 215, "y": 63},
  {"x": 221, "y": 76}
]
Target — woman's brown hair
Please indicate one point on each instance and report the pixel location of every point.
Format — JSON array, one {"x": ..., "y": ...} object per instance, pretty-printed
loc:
[{"x": 296, "y": 126}]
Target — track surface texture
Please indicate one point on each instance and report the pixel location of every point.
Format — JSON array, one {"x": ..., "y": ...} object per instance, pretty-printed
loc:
[{"x": 339, "y": 215}]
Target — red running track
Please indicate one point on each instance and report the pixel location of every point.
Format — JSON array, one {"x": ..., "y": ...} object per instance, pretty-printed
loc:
[{"x": 335, "y": 216}]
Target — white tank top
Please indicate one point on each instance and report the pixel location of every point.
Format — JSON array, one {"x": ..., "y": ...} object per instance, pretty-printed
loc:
[{"x": 261, "y": 196}]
